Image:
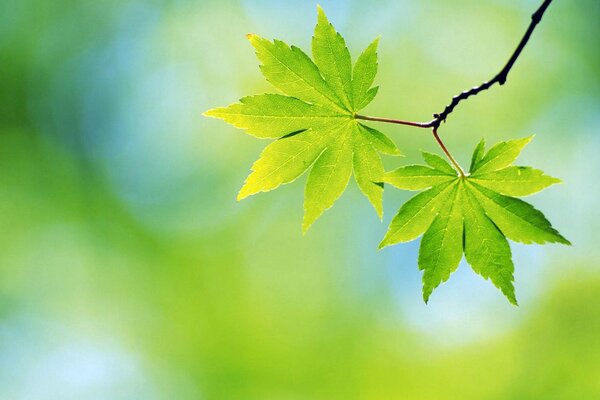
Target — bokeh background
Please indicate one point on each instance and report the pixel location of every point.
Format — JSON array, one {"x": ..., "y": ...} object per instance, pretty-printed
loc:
[{"x": 129, "y": 271}]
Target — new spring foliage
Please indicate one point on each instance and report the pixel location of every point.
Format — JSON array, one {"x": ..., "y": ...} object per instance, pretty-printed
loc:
[{"x": 314, "y": 126}]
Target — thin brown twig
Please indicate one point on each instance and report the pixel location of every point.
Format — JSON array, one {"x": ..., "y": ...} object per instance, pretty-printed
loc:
[{"x": 500, "y": 78}]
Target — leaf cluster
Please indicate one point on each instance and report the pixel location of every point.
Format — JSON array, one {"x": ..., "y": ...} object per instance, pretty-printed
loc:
[
  {"x": 313, "y": 121},
  {"x": 314, "y": 126},
  {"x": 474, "y": 214}
]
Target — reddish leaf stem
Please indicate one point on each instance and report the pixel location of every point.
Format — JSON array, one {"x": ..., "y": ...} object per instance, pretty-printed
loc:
[
  {"x": 394, "y": 121},
  {"x": 443, "y": 146}
]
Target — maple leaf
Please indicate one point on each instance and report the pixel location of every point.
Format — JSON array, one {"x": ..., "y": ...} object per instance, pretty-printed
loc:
[
  {"x": 474, "y": 214},
  {"x": 313, "y": 121}
]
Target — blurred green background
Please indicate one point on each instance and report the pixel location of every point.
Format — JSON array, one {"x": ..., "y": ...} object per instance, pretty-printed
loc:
[{"x": 129, "y": 271}]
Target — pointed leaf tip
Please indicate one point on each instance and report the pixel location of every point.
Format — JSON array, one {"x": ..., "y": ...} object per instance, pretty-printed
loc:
[
  {"x": 321, "y": 16},
  {"x": 244, "y": 192},
  {"x": 565, "y": 241},
  {"x": 305, "y": 227},
  {"x": 527, "y": 139},
  {"x": 249, "y": 36},
  {"x": 210, "y": 113}
]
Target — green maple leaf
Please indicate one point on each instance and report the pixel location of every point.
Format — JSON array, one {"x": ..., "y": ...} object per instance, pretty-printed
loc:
[
  {"x": 313, "y": 121},
  {"x": 473, "y": 215}
]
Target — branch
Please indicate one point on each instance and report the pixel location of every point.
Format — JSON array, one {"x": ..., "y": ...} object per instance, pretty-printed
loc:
[{"x": 500, "y": 78}]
